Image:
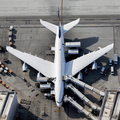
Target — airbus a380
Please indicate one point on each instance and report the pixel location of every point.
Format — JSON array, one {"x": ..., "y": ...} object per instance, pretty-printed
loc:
[{"x": 60, "y": 67}]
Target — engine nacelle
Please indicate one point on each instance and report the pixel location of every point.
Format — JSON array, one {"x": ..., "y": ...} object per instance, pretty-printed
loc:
[
  {"x": 80, "y": 76},
  {"x": 45, "y": 86},
  {"x": 73, "y": 51},
  {"x": 94, "y": 66},
  {"x": 42, "y": 79},
  {"x": 24, "y": 67},
  {"x": 73, "y": 44},
  {"x": 99, "y": 48},
  {"x": 39, "y": 74}
]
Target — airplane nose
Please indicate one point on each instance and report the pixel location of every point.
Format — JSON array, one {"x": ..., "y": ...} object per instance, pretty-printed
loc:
[{"x": 59, "y": 104}]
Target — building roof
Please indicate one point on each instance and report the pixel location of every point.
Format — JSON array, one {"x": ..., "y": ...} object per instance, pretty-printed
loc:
[
  {"x": 110, "y": 106},
  {"x": 6, "y": 99},
  {"x": 2, "y": 100}
]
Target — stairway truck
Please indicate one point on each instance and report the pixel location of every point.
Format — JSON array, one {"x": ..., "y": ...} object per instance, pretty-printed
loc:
[{"x": 73, "y": 44}]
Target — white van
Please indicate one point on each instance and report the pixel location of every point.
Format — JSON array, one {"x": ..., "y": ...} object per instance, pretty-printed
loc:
[
  {"x": 102, "y": 70},
  {"x": 110, "y": 61},
  {"x": 112, "y": 70},
  {"x": 115, "y": 59}
]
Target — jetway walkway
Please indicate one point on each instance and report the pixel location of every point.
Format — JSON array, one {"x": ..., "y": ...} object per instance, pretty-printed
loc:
[
  {"x": 82, "y": 97},
  {"x": 83, "y": 85},
  {"x": 79, "y": 107}
]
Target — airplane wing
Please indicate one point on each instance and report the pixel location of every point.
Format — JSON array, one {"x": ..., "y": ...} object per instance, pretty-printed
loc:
[
  {"x": 74, "y": 66},
  {"x": 41, "y": 65}
]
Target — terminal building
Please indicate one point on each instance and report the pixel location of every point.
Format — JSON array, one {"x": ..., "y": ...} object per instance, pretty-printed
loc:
[
  {"x": 8, "y": 105},
  {"x": 111, "y": 106}
]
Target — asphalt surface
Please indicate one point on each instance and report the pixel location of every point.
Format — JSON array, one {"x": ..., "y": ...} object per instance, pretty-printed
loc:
[
  {"x": 50, "y": 7},
  {"x": 36, "y": 39},
  {"x": 22, "y": 20}
]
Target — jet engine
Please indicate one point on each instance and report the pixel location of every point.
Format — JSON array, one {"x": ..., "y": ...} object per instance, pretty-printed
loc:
[
  {"x": 41, "y": 79},
  {"x": 94, "y": 66},
  {"x": 73, "y": 51},
  {"x": 45, "y": 86},
  {"x": 24, "y": 67},
  {"x": 99, "y": 48},
  {"x": 80, "y": 76},
  {"x": 39, "y": 74},
  {"x": 73, "y": 44}
]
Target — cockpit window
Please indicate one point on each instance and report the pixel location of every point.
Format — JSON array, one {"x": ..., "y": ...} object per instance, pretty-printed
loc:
[{"x": 59, "y": 102}]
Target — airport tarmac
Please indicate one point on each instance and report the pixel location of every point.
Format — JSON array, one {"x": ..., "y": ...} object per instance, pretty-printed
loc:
[
  {"x": 49, "y": 7},
  {"x": 37, "y": 40}
]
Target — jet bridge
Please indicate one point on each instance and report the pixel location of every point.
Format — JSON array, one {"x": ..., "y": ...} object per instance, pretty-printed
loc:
[
  {"x": 79, "y": 107},
  {"x": 83, "y": 85},
  {"x": 82, "y": 97}
]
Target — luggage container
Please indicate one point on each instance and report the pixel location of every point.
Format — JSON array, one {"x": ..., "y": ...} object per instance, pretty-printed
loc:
[
  {"x": 3, "y": 83},
  {"x": 2, "y": 66},
  {"x": 10, "y": 71},
  {"x": 7, "y": 86},
  {"x": 0, "y": 80},
  {"x": 10, "y": 43}
]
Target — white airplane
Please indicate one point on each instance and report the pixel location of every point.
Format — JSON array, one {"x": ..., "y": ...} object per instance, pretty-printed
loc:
[{"x": 60, "y": 67}]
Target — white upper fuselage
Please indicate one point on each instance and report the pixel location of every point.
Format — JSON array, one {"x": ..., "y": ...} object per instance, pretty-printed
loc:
[{"x": 59, "y": 66}]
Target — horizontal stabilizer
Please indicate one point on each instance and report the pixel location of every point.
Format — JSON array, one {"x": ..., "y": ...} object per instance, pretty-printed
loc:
[
  {"x": 50, "y": 26},
  {"x": 70, "y": 25}
]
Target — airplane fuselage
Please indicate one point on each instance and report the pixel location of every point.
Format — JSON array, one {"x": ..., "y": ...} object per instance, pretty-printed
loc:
[{"x": 59, "y": 66}]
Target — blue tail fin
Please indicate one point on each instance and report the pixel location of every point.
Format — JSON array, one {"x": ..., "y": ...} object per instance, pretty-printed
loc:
[{"x": 58, "y": 17}]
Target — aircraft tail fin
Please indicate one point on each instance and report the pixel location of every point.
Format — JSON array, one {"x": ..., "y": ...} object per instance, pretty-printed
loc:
[
  {"x": 50, "y": 26},
  {"x": 70, "y": 25}
]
